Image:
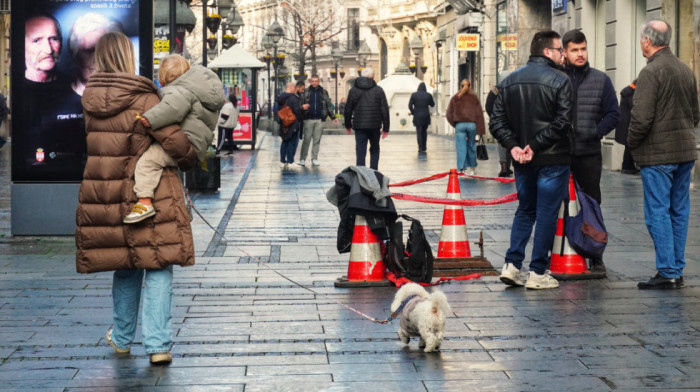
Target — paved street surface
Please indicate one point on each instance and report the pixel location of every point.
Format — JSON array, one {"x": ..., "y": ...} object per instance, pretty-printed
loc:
[{"x": 240, "y": 327}]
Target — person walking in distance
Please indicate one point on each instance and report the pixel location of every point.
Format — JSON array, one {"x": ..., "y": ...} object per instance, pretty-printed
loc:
[
  {"x": 367, "y": 112},
  {"x": 317, "y": 107},
  {"x": 626, "y": 97},
  {"x": 532, "y": 119},
  {"x": 662, "y": 138},
  {"x": 465, "y": 114},
  {"x": 419, "y": 105},
  {"x": 228, "y": 119},
  {"x": 504, "y": 157},
  {"x": 290, "y": 136},
  {"x": 596, "y": 113}
]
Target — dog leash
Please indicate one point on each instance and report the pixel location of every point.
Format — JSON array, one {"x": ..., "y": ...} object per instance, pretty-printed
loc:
[{"x": 374, "y": 320}]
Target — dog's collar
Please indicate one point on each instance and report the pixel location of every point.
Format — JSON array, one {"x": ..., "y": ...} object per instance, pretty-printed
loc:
[{"x": 403, "y": 305}]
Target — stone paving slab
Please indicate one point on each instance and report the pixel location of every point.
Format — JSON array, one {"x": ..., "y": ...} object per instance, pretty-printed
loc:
[{"x": 239, "y": 326}]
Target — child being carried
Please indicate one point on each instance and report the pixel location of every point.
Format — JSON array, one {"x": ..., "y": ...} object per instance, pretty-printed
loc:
[{"x": 191, "y": 97}]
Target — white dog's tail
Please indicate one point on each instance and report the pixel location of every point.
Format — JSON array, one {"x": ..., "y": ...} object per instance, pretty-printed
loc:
[{"x": 440, "y": 302}]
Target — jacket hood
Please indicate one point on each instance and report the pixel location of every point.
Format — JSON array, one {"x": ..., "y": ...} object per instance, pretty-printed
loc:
[
  {"x": 108, "y": 94},
  {"x": 205, "y": 85},
  {"x": 421, "y": 87},
  {"x": 364, "y": 83},
  {"x": 282, "y": 98}
]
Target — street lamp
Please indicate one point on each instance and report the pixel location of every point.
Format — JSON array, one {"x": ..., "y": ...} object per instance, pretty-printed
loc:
[
  {"x": 275, "y": 33},
  {"x": 337, "y": 55},
  {"x": 266, "y": 43},
  {"x": 438, "y": 77},
  {"x": 363, "y": 54},
  {"x": 416, "y": 46}
]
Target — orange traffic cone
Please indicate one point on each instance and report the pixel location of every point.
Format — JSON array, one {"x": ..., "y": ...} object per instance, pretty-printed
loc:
[
  {"x": 366, "y": 268},
  {"x": 566, "y": 263},
  {"x": 454, "y": 242}
]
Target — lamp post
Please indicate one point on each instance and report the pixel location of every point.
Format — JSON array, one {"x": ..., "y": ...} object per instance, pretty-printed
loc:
[
  {"x": 416, "y": 46},
  {"x": 337, "y": 55},
  {"x": 275, "y": 33},
  {"x": 267, "y": 44},
  {"x": 363, "y": 55},
  {"x": 438, "y": 45}
]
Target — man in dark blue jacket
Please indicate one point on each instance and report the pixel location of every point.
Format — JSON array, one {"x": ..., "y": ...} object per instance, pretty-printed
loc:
[
  {"x": 532, "y": 120},
  {"x": 317, "y": 106},
  {"x": 596, "y": 113},
  {"x": 367, "y": 112}
]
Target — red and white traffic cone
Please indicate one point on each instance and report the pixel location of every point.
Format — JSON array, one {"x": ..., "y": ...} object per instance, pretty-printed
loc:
[
  {"x": 566, "y": 263},
  {"x": 454, "y": 241},
  {"x": 366, "y": 268}
]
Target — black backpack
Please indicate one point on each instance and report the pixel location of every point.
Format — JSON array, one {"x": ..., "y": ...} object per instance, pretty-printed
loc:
[{"x": 415, "y": 260}]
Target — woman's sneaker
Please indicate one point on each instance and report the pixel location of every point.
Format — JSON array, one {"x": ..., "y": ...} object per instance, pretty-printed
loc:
[
  {"x": 161, "y": 358},
  {"x": 511, "y": 275},
  {"x": 540, "y": 282}
]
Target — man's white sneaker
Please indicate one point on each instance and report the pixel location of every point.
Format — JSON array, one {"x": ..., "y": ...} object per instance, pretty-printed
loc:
[
  {"x": 472, "y": 172},
  {"x": 283, "y": 165},
  {"x": 301, "y": 162},
  {"x": 315, "y": 162},
  {"x": 511, "y": 275},
  {"x": 540, "y": 282}
]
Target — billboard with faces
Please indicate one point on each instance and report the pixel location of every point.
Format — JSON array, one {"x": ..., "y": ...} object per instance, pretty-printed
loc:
[{"x": 54, "y": 40}]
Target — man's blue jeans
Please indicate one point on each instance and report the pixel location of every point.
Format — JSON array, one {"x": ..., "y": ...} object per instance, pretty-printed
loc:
[
  {"x": 288, "y": 148},
  {"x": 465, "y": 141},
  {"x": 541, "y": 189},
  {"x": 156, "y": 324},
  {"x": 666, "y": 210}
]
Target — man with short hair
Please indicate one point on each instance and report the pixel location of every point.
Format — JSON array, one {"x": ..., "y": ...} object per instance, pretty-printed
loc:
[
  {"x": 532, "y": 120},
  {"x": 367, "y": 112},
  {"x": 661, "y": 136},
  {"x": 317, "y": 106},
  {"x": 596, "y": 113}
]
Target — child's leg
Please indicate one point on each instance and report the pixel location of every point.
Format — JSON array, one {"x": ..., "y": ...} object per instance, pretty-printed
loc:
[{"x": 148, "y": 170}]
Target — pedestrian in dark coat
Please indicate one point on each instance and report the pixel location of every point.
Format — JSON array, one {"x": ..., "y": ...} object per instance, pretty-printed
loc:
[
  {"x": 419, "y": 105},
  {"x": 626, "y": 97},
  {"x": 290, "y": 138},
  {"x": 367, "y": 112}
]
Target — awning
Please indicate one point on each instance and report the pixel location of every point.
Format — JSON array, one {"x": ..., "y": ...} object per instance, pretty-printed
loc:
[{"x": 236, "y": 57}]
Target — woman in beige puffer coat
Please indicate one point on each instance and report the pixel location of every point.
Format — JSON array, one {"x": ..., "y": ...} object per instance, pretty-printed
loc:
[{"x": 115, "y": 139}]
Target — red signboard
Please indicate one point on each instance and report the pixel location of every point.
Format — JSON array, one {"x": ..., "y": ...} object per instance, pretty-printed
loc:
[{"x": 244, "y": 130}]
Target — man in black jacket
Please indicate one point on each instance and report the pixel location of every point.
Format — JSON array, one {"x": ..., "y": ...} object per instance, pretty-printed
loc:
[
  {"x": 367, "y": 112},
  {"x": 532, "y": 119},
  {"x": 419, "y": 105},
  {"x": 596, "y": 113}
]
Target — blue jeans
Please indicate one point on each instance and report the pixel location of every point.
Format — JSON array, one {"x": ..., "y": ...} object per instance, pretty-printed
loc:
[
  {"x": 541, "y": 189},
  {"x": 157, "y": 300},
  {"x": 465, "y": 139},
  {"x": 666, "y": 210},
  {"x": 288, "y": 148},
  {"x": 361, "y": 138}
]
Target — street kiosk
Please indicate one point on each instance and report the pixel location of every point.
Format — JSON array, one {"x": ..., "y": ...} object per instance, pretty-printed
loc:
[{"x": 238, "y": 70}]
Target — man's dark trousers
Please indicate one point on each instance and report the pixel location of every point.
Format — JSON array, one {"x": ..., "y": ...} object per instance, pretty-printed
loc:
[
  {"x": 586, "y": 170},
  {"x": 422, "y": 136},
  {"x": 361, "y": 138}
]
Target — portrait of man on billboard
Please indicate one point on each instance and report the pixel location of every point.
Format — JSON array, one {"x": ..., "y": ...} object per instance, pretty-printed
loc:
[{"x": 49, "y": 141}]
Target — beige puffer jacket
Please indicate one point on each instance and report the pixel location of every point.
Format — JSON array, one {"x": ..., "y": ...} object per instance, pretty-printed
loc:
[{"x": 115, "y": 140}]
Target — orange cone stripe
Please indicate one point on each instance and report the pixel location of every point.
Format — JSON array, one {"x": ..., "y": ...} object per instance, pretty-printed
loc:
[
  {"x": 453, "y": 217},
  {"x": 365, "y": 254}
]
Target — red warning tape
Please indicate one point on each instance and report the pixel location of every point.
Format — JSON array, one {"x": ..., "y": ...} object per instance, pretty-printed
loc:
[
  {"x": 442, "y": 175},
  {"x": 451, "y": 202},
  {"x": 402, "y": 281},
  {"x": 499, "y": 179}
]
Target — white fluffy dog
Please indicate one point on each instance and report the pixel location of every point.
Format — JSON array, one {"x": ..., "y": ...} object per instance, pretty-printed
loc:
[{"x": 422, "y": 314}]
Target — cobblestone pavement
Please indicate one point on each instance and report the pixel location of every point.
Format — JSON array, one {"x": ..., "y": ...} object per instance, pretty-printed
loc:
[{"x": 240, "y": 327}]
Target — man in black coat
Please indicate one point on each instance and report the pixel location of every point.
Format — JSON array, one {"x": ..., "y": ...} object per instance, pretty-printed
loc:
[
  {"x": 626, "y": 98},
  {"x": 419, "y": 105},
  {"x": 367, "y": 112}
]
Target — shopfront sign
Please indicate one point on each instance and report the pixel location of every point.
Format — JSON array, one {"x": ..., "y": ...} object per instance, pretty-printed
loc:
[
  {"x": 559, "y": 7},
  {"x": 468, "y": 42}
]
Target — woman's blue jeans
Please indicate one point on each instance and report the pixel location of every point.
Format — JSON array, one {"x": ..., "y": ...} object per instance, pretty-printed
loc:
[
  {"x": 541, "y": 189},
  {"x": 288, "y": 148},
  {"x": 156, "y": 324},
  {"x": 465, "y": 139},
  {"x": 666, "y": 210}
]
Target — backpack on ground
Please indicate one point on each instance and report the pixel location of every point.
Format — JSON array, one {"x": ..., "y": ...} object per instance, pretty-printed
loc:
[
  {"x": 586, "y": 231},
  {"x": 413, "y": 261}
]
